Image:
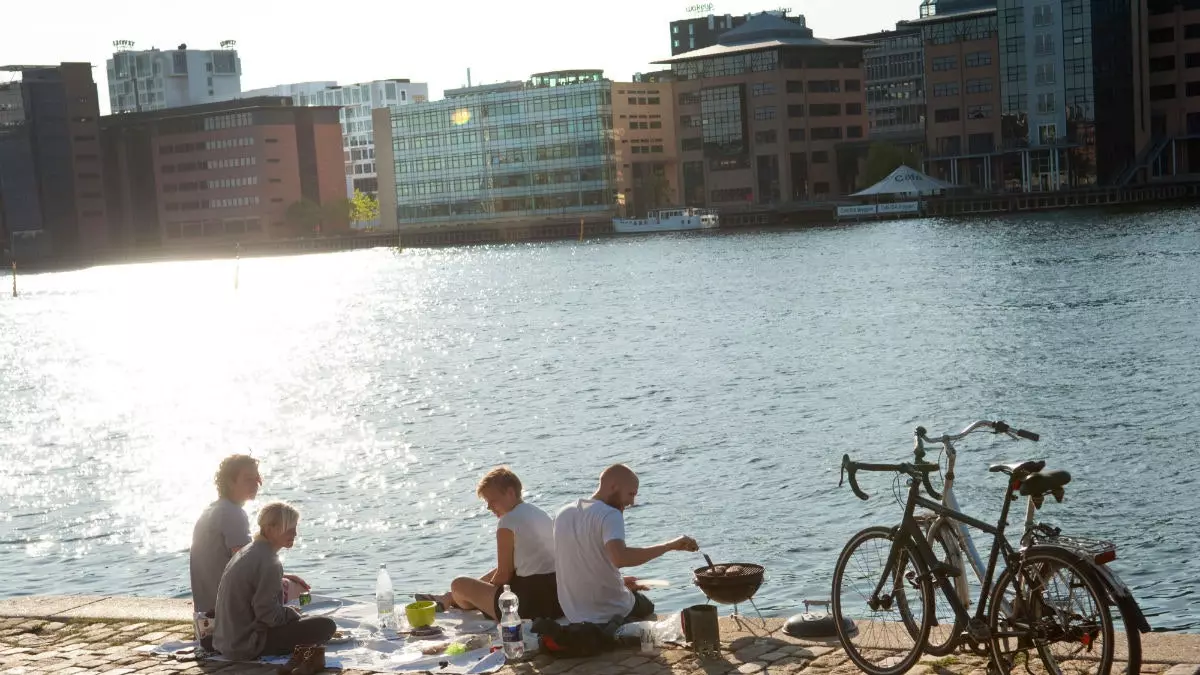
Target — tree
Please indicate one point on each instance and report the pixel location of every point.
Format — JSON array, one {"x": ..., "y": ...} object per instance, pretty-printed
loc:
[
  {"x": 884, "y": 158},
  {"x": 304, "y": 216},
  {"x": 660, "y": 190},
  {"x": 364, "y": 208},
  {"x": 335, "y": 215}
]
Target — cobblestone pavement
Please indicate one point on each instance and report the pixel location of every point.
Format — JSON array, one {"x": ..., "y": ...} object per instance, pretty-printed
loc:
[{"x": 39, "y": 647}]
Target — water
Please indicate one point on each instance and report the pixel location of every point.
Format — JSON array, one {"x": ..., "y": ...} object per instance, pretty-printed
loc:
[{"x": 732, "y": 371}]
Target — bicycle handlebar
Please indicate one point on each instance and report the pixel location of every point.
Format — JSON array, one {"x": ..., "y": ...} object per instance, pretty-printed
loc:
[
  {"x": 997, "y": 427},
  {"x": 916, "y": 471}
]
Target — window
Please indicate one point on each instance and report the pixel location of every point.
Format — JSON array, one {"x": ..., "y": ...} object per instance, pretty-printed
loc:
[
  {"x": 632, "y": 100},
  {"x": 945, "y": 89},
  {"x": 820, "y": 157},
  {"x": 825, "y": 109},
  {"x": 656, "y": 124},
  {"x": 1160, "y": 63},
  {"x": 795, "y": 135},
  {"x": 853, "y": 108},
  {"x": 826, "y": 133},
  {"x": 1042, "y": 15},
  {"x": 949, "y": 145},
  {"x": 1191, "y": 31},
  {"x": 979, "y": 86},
  {"x": 979, "y": 112},
  {"x": 1193, "y": 89},
  {"x": 977, "y": 59},
  {"x": 689, "y": 98},
  {"x": 795, "y": 111},
  {"x": 1162, "y": 92},
  {"x": 768, "y": 136},
  {"x": 947, "y": 115},
  {"x": 653, "y": 100},
  {"x": 795, "y": 87},
  {"x": 731, "y": 195},
  {"x": 1045, "y": 73},
  {"x": 1045, "y": 103},
  {"x": 853, "y": 85},
  {"x": 1159, "y": 35},
  {"x": 1043, "y": 44},
  {"x": 820, "y": 187},
  {"x": 762, "y": 88},
  {"x": 978, "y": 144},
  {"x": 766, "y": 112},
  {"x": 944, "y": 63},
  {"x": 693, "y": 144},
  {"x": 1047, "y": 133},
  {"x": 854, "y": 132},
  {"x": 824, "y": 86}
]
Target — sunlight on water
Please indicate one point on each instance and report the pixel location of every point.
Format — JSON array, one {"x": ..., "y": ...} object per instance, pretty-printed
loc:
[{"x": 732, "y": 371}]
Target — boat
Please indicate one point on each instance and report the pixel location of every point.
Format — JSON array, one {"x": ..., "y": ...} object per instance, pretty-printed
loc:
[{"x": 668, "y": 220}]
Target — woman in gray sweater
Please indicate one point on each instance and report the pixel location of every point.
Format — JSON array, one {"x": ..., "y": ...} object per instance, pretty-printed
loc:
[{"x": 252, "y": 620}]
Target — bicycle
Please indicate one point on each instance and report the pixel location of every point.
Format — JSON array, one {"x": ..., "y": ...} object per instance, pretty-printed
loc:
[
  {"x": 956, "y": 542},
  {"x": 1016, "y": 620}
]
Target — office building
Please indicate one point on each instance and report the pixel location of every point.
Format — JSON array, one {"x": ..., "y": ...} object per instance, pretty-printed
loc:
[
  {"x": 701, "y": 32},
  {"x": 646, "y": 153},
  {"x": 1172, "y": 39},
  {"x": 220, "y": 173},
  {"x": 769, "y": 114},
  {"x": 531, "y": 152},
  {"x": 356, "y": 101},
  {"x": 154, "y": 79},
  {"x": 51, "y": 175},
  {"x": 894, "y": 80}
]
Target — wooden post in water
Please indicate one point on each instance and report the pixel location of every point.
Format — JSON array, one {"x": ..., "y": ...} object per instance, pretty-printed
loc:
[
  {"x": 581, "y": 229},
  {"x": 237, "y": 263},
  {"x": 14, "y": 275}
]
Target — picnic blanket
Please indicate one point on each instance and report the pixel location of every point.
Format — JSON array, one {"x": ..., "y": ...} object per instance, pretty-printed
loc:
[{"x": 363, "y": 647}]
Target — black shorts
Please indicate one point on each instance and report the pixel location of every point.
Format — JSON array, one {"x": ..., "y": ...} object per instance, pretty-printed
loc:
[{"x": 537, "y": 594}]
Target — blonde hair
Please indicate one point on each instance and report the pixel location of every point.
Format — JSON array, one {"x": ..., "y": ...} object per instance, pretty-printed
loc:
[
  {"x": 277, "y": 514},
  {"x": 232, "y": 467},
  {"x": 500, "y": 477}
]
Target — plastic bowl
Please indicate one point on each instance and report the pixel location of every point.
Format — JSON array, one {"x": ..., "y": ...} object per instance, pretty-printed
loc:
[{"x": 420, "y": 614}]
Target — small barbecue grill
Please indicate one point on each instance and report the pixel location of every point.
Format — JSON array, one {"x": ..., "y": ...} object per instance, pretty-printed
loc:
[{"x": 729, "y": 589}]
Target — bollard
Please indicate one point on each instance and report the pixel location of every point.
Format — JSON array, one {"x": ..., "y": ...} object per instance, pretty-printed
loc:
[
  {"x": 581, "y": 229},
  {"x": 237, "y": 263},
  {"x": 14, "y": 276}
]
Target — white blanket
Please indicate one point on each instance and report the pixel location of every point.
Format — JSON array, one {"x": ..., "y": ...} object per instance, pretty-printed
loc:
[{"x": 367, "y": 649}]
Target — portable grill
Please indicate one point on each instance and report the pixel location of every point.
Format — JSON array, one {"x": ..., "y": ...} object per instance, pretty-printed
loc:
[{"x": 730, "y": 589}]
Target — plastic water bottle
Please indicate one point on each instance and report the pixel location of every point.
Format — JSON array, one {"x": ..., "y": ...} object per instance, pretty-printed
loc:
[
  {"x": 510, "y": 625},
  {"x": 385, "y": 599}
]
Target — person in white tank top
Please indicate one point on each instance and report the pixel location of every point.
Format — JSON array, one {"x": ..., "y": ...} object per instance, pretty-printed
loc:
[{"x": 524, "y": 555}]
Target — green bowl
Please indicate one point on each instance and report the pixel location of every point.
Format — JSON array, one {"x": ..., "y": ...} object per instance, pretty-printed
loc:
[{"x": 420, "y": 614}]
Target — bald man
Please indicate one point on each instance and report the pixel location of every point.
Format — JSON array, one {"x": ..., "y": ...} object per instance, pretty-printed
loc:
[{"x": 590, "y": 550}]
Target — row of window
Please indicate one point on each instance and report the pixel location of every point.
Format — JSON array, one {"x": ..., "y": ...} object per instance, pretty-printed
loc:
[
  {"x": 1191, "y": 31},
  {"x": 645, "y": 149},
  {"x": 513, "y": 156},
  {"x": 644, "y": 100},
  {"x": 228, "y": 121},
  {"x": 202, "y": 204},
  {"x": 200, "y": 146},
  {"x": 768, "y": 112},
  {"x": 550, "y": 203},
  {"x": 478, "y": 183},
  {"x": 974, "y": 112},
  {"x": 794, "y": 135},
  {"x": 763, "y": 61},
  {"x": 218, "y": 184},
  {"x": 584, "y": 125},
  {"x": 976, "y": 86},
  {"x": 793, "y": 87},
  {"x": 212, "y": 228},
  {"x": 537, "y": 103},
  {"x": 645, "y": 125},
  {"x": 1159, "y": 64},
  {"x": 972, "y": 60},
  {"x": 226, "y": 163},
  {"x": 961, "y": 30},
  {"x": 1169, "y": 91}
]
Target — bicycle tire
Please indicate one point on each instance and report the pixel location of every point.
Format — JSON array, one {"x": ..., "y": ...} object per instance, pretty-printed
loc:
[
  {"x": 939, "y": 642},
  {"x": 1059, "y": 558},
  {"x": 921, "y": 579}
]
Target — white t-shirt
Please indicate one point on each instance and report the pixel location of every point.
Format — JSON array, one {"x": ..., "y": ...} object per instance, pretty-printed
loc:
[
  {"x": 590, "y": 588},
  {"x": 533, "y": 535}
]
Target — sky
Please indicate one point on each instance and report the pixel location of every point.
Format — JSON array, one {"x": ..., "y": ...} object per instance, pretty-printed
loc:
[{"x": 424, "y": 41}]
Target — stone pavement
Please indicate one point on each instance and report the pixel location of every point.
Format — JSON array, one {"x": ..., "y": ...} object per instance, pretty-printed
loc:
[{"x": 62, "y": 643}]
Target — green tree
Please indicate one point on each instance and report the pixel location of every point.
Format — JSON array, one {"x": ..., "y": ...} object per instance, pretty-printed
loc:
[
  {"x": 364, "y": 208},
  {"x": 335, "y": 215},
  {"x": 304, "y": 217},
  {"x": 883, "y": 158},
  {"x": 660, "y": 190}
]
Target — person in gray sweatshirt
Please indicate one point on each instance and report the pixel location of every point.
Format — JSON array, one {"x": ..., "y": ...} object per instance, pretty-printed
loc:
[{"x": 252, "y": 620}]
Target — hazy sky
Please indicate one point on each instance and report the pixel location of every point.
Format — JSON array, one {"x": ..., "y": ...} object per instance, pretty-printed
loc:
[{"x": 425, "y": 41}]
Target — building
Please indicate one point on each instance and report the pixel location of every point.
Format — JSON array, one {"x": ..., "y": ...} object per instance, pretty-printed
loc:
[
  {"x": 646, "y": 153},
  {"x": 534, "y": 152},
  {"x": 701, "y": 32},
  {"x": 153, "y": 79},
  {"x": 963, "y": 94},
  {"x": 894, "y": 80},
  {"x": 220, "y": 173},
  {"x": 357, "y": 102},
  {"x": 51, "y": 175},
  {"x": 769, "y": 114},
  {"x": 1172, "y": 38}
]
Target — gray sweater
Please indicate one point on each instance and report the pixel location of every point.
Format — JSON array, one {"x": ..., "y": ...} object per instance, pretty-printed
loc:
[{"x": 248, "y": 602}]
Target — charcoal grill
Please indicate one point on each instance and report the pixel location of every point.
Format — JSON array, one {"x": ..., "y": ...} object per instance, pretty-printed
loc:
[{"x": 726, "y": 589}]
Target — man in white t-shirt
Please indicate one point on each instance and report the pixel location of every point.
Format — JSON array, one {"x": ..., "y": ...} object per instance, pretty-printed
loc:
[{"x": 590, "y": 550}]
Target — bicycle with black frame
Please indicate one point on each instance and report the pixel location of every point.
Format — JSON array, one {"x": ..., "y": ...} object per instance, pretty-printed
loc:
[{"x": 886, "y": 578}]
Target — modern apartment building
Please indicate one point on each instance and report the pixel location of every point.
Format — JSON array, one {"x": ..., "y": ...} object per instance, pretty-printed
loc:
[
  {"x": 519, "y": 152},
  {"x": 894, "y": 80},
  {"x": 700, "y": 32},
  {"x": 356, "y": 101},
  {"x": 51, "y": 174},
  {"x": 219, "y": 173},
  {"x": 769, "y": 114},
  {"x": 1172, "y": 38},
  {"x": 154, "y": 79},
  {"x": 646, "y": 149}
]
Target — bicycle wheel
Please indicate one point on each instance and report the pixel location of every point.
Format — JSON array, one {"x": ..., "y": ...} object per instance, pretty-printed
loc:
[
  {"x": 880, "y": 644},
  {"x": 1049, "y": 603},
  {"x": 945, "y": 626},
  {"x": 1132, "y": 656}
]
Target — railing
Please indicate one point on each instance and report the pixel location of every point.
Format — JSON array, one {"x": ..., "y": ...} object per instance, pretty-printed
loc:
[{"x": 1147, "y": 156}]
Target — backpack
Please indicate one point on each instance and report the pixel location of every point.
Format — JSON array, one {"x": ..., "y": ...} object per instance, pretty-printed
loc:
[{"x": 576, "y": 640}]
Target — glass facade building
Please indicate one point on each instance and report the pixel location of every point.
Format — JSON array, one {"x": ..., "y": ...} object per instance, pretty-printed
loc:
[{"x": 537, "y": 150}]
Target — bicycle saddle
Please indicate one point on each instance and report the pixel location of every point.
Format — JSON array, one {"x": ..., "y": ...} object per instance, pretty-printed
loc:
[
  {"x": 1038, "y": 484},
  {"x": 1019, "y": 469}
]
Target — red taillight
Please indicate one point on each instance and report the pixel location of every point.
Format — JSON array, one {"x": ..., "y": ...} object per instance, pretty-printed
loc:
[
  {"x": 1106, "y": 557},
  {"x": 1016, "y": 485}
]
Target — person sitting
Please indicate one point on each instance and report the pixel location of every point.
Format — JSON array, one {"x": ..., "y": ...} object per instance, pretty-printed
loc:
[
  {"x": 251, "y": 619},
  {"x": 223, "y": 529},
  {"x": 524, "y": 555},
  {"x": 590, "y": 550}
]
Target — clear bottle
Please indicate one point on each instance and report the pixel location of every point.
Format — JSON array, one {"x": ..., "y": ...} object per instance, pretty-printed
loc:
[
  {"x": 385, "y": 599},
  {"x": 510, "y": 626}
]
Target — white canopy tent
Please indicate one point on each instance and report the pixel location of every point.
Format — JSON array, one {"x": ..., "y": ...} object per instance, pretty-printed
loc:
[{"x": 905, "y": 181}]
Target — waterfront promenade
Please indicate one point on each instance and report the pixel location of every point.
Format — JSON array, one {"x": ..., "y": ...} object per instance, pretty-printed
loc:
[{"x": 72, "y": 635}]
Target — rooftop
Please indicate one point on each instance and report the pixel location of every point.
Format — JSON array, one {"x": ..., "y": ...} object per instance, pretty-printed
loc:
[
  {"x": 764, "y": 31},
  {"x": 956, "y": 16}
]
